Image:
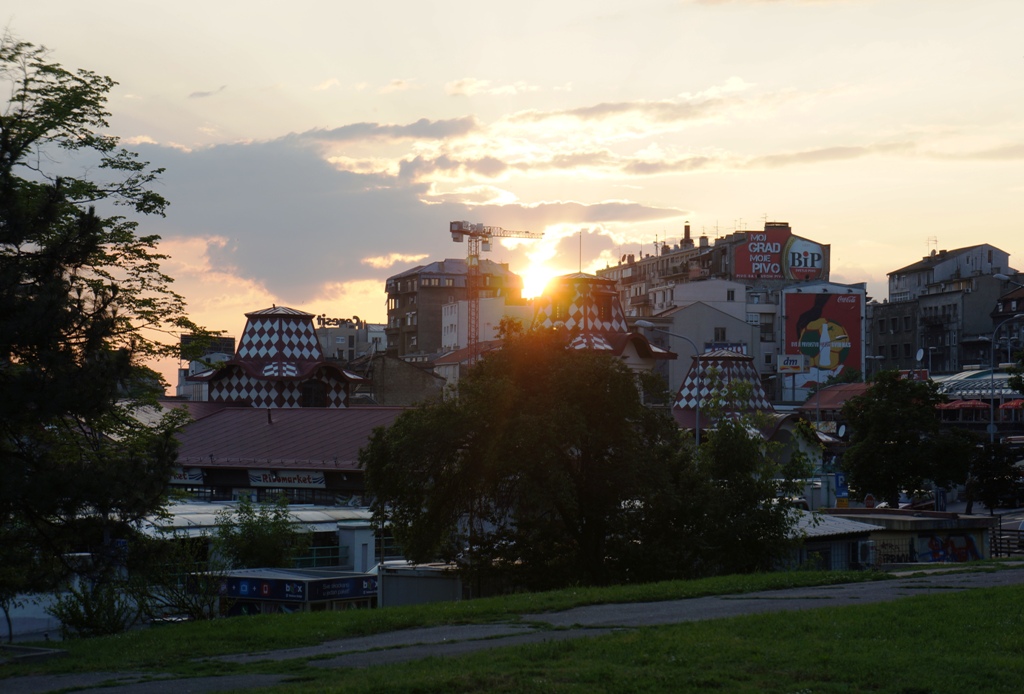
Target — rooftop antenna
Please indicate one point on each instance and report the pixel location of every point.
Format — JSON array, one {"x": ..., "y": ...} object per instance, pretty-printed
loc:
[
  {"x": 933, "y": 244},
  {"x": 581, "y": 251}
]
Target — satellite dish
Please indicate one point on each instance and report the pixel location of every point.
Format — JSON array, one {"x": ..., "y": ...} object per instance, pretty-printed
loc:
[
  {"x": 920, "y": 354},
  {"x": 842, "y": 430}
]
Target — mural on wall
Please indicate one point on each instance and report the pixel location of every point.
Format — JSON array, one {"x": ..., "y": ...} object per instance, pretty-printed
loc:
[
  {"x": 947, "y": 548},
  {"x": 776, "y": 254},
  {"x": 826, "y": 329}
]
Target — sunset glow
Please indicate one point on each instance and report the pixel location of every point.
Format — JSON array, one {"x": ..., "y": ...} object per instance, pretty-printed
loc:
[{"x": 307, "y": 175}]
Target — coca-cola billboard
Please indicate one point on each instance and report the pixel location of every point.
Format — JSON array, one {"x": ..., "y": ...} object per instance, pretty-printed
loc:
[
  {"x": 825, "y": 328},
  {"x": 776, "y": 254}
]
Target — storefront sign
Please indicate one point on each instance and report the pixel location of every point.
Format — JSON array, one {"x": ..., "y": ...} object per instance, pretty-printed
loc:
[
  {"x": 297, "y": 480},
  {"x": 792, "y": 364},
  {"x": 188, "y": 475}
]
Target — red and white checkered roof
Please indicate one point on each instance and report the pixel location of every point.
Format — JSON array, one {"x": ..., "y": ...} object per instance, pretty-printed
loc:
[
  {"x": 576, "y": 301},
  {"x": 277, "y": 354},
  {"x": 718, "y": 370},
  {"x": 279, "y": 342}
]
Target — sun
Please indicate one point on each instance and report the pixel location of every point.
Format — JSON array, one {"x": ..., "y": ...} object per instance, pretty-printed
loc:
[{"x": 536, "y": 278}]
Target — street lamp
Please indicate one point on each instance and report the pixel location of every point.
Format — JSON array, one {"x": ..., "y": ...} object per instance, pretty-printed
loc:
[
  {"x": 650, "y": 326},
  {"x": 992, "y": 375}
]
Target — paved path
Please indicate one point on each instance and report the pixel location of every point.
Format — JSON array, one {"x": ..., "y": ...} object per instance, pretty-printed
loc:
[{"x": 445, "y": 641}]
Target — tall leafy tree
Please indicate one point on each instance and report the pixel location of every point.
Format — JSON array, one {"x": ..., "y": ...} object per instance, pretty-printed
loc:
[
  {"x": 549, "y": 471},
  {"x": 892, "y": 446},
  {"x": 527, "y": 472},
  {"x": 85, "y": 306}
]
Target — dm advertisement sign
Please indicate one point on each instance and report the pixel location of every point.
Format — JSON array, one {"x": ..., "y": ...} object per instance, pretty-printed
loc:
[
  {"x": 826, "y": 329},
  {"x": 776, "y": 254}
]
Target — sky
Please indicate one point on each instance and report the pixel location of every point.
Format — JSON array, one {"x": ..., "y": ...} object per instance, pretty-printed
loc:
[{"x": 314, "y": 149}]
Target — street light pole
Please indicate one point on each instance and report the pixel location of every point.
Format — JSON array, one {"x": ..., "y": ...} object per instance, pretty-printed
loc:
[
  {"x": 870, "y": 358},
  {"x": 696, "y": 353},
  {"x": 992, "y": 377}
]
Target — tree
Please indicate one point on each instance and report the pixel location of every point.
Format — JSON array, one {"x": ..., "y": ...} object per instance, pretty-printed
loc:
[
  {"x": 892, "y": 445},
  {"x": 262, "y": 536},
  {"x": 993, "y": 475},
  {"x": 723, "y": 508},
  {"x": 85, "y": 305},
  {"x": 549, "y": 471},
  {"x": 526, "y": 473}
]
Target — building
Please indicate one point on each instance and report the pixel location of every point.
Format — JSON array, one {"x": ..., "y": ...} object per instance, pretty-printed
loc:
[
  {"x": 940, "y": 311},
  {"x": 279, "y": 364},
  {"x": 416, "y": 298},
  {"x": 455, "y": 320},
  {"x": 771, "y": 258},
  {"x": 216, "y": 350},
  {"x": 742, "y": 278},
  {"x": 347, "y": 339},
  {"x": 588, "y": 310},
  {"x": 308, "y": 455}
]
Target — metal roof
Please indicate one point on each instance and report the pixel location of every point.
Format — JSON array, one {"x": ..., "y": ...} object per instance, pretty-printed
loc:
[
  {"x": 195, "y": 519},
  {"x": 299, "y": 438},
  {"x": 822, "y": 525}
]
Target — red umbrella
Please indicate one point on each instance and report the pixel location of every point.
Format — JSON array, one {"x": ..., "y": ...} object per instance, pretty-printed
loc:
[
  {"x": 1012, "y": 405},
  {"x": 968, "y": 405}
]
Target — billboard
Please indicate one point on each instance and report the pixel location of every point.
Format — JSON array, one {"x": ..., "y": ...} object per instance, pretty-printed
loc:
[
  {"x": 826, "y": 329},
  {"x": 776, "y": 254}
]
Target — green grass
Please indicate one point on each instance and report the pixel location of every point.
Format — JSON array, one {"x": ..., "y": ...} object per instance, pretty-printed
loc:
[
  {"x": 733, "y": 655},
  {"x": 967, "y": 642}
]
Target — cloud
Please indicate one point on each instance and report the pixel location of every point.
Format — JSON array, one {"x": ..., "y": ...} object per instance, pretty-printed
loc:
[
  {"x": 826, "y": 154},
  {"x": 290, "y": 223},
  {"x": 395, "y": 85},
  {"x": 422, "y": 129},
  {"x": 1003, "y": 153},
  {"x": 327, "y": 84},
  {"x": 418, "y": 168},
  {"x": 203, "y": 95},
  {"x": 382, "y": 262},
  {"x": 470, "y": 86}
]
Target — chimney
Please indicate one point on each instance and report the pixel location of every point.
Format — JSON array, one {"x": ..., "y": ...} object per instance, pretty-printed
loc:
[{"x": 703, "y": 241}]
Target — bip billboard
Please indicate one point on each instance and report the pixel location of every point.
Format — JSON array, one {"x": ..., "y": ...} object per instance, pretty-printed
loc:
[
  {"x": 826, "y": 328},
  {"x": 776, "y": 254}
]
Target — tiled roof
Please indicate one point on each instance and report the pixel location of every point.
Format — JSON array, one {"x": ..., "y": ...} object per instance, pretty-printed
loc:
[
  {"x": 718, "y": 370},
  {"x": 301, "y": 438},
  {"x": 465, "y": 354},
  {"x": 833, "y": 397}
]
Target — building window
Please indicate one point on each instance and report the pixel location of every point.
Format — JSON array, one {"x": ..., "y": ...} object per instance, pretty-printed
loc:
[
  {"x": 730, "y": 295},
  {"x": 754, "y": 318},
  {"x": 906, "y": 350},
  {"x": 894, "y": 351},
  {"x": 719, "y": 334},
  {"x": 314, "y": 394},
  {"x": 906, "y": 323}
]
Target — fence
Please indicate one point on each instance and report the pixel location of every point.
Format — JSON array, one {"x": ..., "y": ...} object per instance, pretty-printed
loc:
[{"x": 1007, "y": 539}]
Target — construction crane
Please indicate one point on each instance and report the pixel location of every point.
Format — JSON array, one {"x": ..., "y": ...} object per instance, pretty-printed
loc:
[{"x": 478, "y": 238}]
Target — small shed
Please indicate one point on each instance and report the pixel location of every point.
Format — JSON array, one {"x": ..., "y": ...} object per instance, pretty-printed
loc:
[{"x": 833, "y": 543}]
